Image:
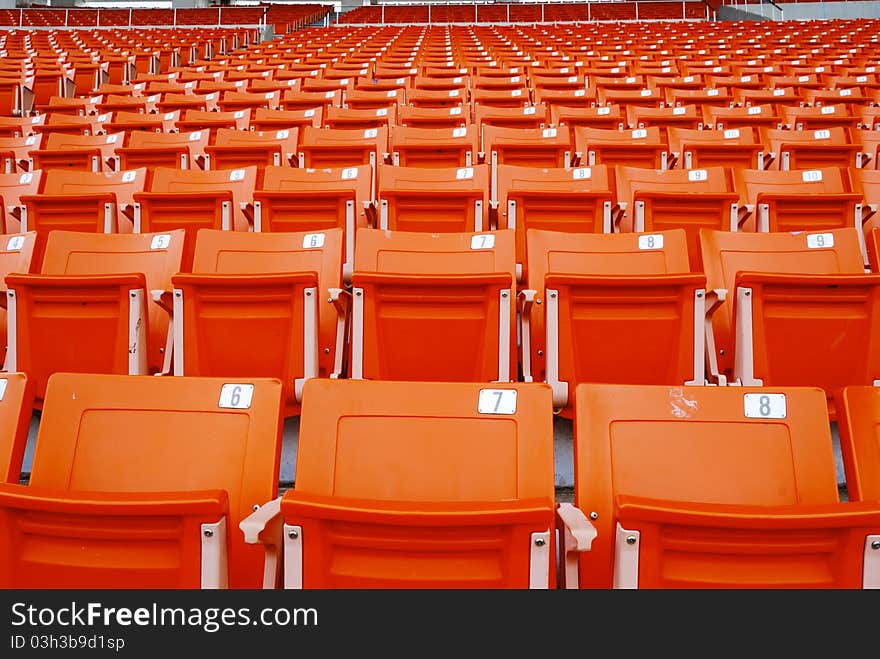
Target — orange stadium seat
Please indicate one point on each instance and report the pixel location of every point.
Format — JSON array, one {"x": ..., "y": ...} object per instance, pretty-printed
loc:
[
  {"x": 711, "y": 487},
  {"x": 191, "y": 200},
  {"x": 90, "y": 153},
  {"x": 21, "y": 126},
  {"x": 809, "y": 149},
  {"x": 530, "y": 116},
  {"x": 89, "y": 310},
  {"x": 616, "y": 308},
  {"x": 81, "y": 201},
  {"x": 194, "y": 120},
  {"x": 242, "y": 148},
  {"x": 753, "y": 116},
  {"x": 338, "y": 147},
  {"x": 433, "y": 199},
  {"x": 571, "y": 200},
  {"x": 733, "y": 148},
  {"x": 534, "y": 147},
  {"x": 152, "y": 150},
  {"x": 798, "y": 200},
  {"x": 12, "y": 188},
  {"x": 281, "y": 292},
  {"x": 448, "y": 291},
  {"x": 786, "y": 294},
  {"x": 269, "y": 120},
  {"x": 15, "y": 152},
  {"x": 453, "y": 117},
  {"x": 416, "y": 509},
  {"x": 858, "y": 419},
  {"x": 351, "y": 119},
  {"x": 434, "y": 147},
  {"x": 229, "y": 435},
  {"x": 642, "y": 147},
  {"x": 689, "y": 199}
]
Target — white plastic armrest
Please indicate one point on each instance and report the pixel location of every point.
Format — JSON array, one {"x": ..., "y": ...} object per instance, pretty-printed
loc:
[
  {"x": 264, "y": 527},
  {"x": 580, "y": 531},
  {"x": 163, "y": 299},
  {"x": 577, "y": 534},
  {"x": 259, "y": 527},
  {"x": 714, "y": 298},
  {"x": 745, "y": 212},
  {"x": 339, "y": 298},
  {"x": 370, "y": 213},
  {"x": 527, "y": 298},
  {"x": 618, "y": 211}
]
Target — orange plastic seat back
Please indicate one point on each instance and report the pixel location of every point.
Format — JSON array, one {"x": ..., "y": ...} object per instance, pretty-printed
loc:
[
  {"x": 530, "y": 116},
  {"x": 830, "y": 113},
  {"x": 858, "y": 417},
  {"x": 433, "y": 199},
  {"x": 714, "y": 487},
  {"x": 87, "y": 153},
  {"x": 193, "y": 200},
  {"x": 615, "y": 308},
  {"x": 434, "y": 147},
  {"x": 349, "y": 118},
  {"x": 641, "y": 147},
  {"x": 754, "y": 116},
  {"x": 342, "y": 147},
  {"x": 772, "y": 332},
  {"x": 94, "y": 202},
  {"x": 240, "y": 148},
  {"x": 153, "y": 150},
  {"x": 810, "y": 149},
  {"x": 571, "y": 200},
  {"x": 16, "y": 407},
  {"x": 267, "y": 120},
  {"x": 15, "y": 150},
  {"x": 213, "y": 121},
  {"x": 452, "y": 490},
  {"x": 607, "y": 117},
  {"x": 108, "y": 459},
  {"x": 725, "y": 254},
  {"x": 449, "y": 291},
  {"x": 675, "y": 198},
  {"x": 89, "y": 310},
  {"x": 802, "y": 200},
  {"x": 454, "y": 117},
  {"x": 12, "y": 188},
  {"x": 686, "y": 116},
  {"x": 297, "y": 199},
  {"x": 533, "y": 147},
  {"x": 232, "y": 100},
  {"x": 734, "y": 147},
  {"x": 271, "y": 290}
]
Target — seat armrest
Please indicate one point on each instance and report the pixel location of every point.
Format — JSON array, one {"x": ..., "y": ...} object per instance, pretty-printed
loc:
[
  {"x": 714, "y": 298},
  {"x": 577, "y": 534},
  {"x": 265, "y": 526}
]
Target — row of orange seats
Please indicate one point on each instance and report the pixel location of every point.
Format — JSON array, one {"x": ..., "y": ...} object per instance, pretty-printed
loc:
[
  {"x": 172, "y": 482},
  {"x": 620, "y": 308},
  {"x": 596, "y": 199},
  {"x": 351, "y": 137}
]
